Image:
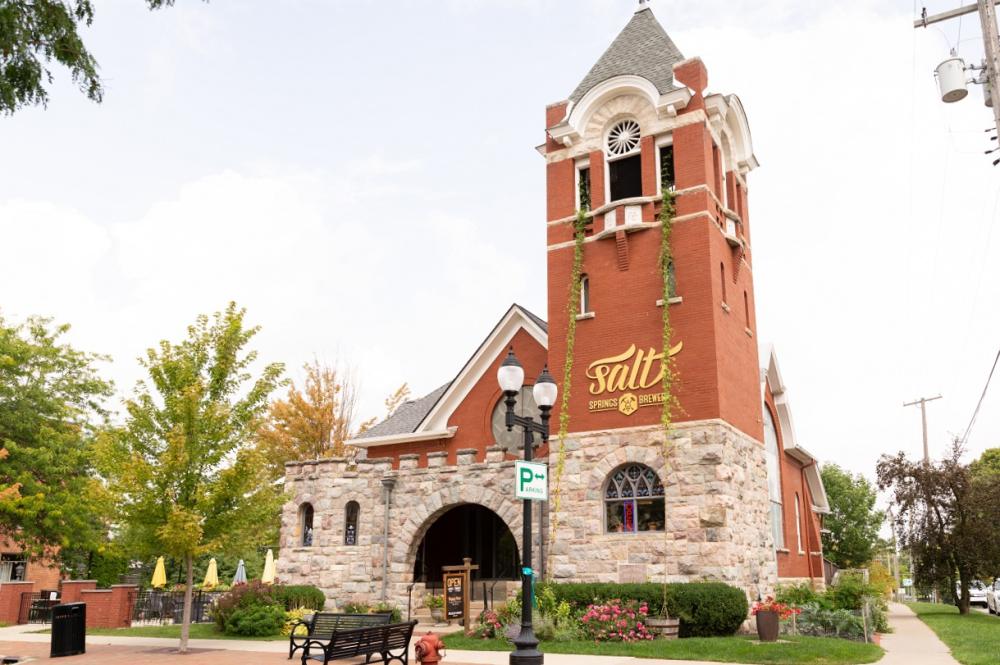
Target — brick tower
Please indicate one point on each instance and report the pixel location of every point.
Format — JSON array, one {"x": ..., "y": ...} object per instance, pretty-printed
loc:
[{"x": 643, "y": 120}]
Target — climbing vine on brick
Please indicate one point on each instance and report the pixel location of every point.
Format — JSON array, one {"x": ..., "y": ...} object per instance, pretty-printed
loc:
[
  {"x": 667, "y": 211},
  {"x": 579, "y": 233}
]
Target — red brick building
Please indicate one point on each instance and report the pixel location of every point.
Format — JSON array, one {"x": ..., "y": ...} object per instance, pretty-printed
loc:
[{"x": 729, "y": 495}]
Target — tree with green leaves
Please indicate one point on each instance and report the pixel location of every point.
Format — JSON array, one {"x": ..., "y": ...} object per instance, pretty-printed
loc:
[
  {"x": 851, "y": 528},
  {"x": 944, "y": 515},
  {"x": 33, "y": 33},
  {"x": 51, "y": 407},
  {"x": 988, "y": 462},
  {"x": 188, "y": 479}
]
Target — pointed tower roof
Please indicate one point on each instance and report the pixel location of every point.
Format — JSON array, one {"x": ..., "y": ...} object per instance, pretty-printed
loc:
[{"x": 642, "y": 48}]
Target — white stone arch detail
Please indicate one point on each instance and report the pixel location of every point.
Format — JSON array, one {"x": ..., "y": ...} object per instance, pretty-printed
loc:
[
  {"x": 649, "y": 455},
  {"x": 438, "y": 503},
  {"x": 580, "y": 117}
]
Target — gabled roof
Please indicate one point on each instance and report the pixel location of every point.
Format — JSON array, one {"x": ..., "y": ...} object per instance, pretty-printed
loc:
[
  {"x": 427, "y": 418},
  {"x": 771, "y": 377},
  {"x": 642, "y": 48}
]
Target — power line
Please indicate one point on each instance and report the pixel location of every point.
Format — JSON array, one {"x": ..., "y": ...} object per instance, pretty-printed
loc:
[{"x": 975, "y": 413}]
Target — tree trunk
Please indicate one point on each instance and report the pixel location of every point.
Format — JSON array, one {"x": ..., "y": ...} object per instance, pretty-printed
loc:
[
  {"x": 186, "y": 616},
  {"x": 963, "y": 596}
]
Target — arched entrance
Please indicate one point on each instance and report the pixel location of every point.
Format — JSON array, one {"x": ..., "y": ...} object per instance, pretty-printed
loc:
[{"x": 467, "y": 530}]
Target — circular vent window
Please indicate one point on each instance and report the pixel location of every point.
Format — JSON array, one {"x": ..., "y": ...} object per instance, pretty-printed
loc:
[{"x": 623, "y": 137}]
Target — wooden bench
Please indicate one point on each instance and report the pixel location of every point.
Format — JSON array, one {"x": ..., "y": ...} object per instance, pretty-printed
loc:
[
  {"x": 389, "y": 643},
  {"x": 322, "y": 625}
]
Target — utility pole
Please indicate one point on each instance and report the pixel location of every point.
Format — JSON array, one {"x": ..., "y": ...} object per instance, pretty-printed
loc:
[
  {"x": 923, "y": 416},
  {"x": 991, "y": 43}
]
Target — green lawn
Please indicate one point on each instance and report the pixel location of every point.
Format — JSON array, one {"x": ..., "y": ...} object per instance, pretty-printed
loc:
[
  {"x": 796, "y": 650},
  {"x": 199, "y": 631},
  {"x": 974, "y": 639}
]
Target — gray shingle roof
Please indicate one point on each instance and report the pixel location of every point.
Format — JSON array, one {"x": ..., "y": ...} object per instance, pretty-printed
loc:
[
  {"x": 642, "y": 48},
  {"x": 407, "y": 416}
]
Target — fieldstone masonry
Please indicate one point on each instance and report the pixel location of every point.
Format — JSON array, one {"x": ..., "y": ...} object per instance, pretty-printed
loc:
[{"x": 716, "y": 511}]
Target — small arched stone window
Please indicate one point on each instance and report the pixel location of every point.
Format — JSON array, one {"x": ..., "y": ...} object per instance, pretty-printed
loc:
[
  {"x": 633, "y": 500},
  {"x": 584, "y": 294},
  {"x": 306, "y": 524},
  {"x": 351, "y": 512}
]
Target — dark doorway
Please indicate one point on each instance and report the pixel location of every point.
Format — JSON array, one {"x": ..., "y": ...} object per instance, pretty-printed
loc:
[{"x": 472, "y": 531}]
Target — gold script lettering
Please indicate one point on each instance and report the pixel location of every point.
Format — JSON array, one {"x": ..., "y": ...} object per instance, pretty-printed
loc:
[{"x": 630, "y": 370}]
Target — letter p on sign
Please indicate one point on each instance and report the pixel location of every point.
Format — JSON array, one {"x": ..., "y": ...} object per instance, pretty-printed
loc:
[{"x": 531, "y": 481}]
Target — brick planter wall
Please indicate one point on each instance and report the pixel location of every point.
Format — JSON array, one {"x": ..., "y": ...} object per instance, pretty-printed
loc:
[{"x": 10, "y": 600}]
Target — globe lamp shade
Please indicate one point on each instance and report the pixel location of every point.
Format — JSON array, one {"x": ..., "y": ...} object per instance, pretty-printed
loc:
[
  {"x": 511, "y": 374},
  {"x": 545, "y": 389}
]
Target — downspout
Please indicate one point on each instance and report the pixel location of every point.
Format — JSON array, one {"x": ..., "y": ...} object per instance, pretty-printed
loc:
[
  {"x": 388, "y": 483},
  {"x": 809, "y": 533}
]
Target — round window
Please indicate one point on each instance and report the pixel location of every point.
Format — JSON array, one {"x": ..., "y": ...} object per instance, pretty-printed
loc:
[
  {"x": 623, "y": 138},
  {"x": 513, "y": 441}
]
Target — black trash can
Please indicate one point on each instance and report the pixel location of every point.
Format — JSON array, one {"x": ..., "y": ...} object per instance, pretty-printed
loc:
[{"x": 69, "y": 630}]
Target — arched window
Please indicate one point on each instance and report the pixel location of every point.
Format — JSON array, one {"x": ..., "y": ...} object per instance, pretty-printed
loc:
[
  {"x": 351, "y": 512},
  {"x": 798, "y": 524},
  {"x": 772, "y": 453},
  {"x": 623, "y": 161},
  {"x": 306, "y": 524},
  {"x": 584, "y": 294},
  {"x": 633, "y": 500}
]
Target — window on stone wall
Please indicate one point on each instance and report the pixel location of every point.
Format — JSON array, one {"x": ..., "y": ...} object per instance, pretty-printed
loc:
[
  {"x": 306, "y": 524},
  {"x": 351, "y": 513},
  {"x": 633, "y": 500},
  {"x": 772, "y": 453}
]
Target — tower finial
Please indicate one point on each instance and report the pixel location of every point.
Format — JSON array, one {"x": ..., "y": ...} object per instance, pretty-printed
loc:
[{"x": 643, "y": 4}]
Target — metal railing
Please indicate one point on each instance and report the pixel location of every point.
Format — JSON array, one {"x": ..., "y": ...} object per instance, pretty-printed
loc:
[
  {"x": 35, "y": 608},
  {"x": 166, "y": 607}
]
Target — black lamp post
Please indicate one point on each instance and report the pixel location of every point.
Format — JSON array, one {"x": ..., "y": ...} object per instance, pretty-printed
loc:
[{"x": 511, "y": 378}]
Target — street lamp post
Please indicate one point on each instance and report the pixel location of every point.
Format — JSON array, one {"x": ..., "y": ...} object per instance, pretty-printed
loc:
[{"x": 511, "y": 378}]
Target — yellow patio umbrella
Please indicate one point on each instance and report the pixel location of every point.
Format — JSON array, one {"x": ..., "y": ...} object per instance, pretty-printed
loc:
[
  {"x": 211, "y": 576},
  {"x": 269, "y": 569},
  {"x": 159, "y": 575}
]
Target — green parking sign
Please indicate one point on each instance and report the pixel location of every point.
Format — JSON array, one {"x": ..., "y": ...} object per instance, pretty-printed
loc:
[{"x": 531, "y": 481}]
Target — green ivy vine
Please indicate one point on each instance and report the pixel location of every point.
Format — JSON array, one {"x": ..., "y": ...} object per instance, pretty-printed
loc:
[
  {"x": 579, "y": 234},
  {"x": 667, "y": 211}
]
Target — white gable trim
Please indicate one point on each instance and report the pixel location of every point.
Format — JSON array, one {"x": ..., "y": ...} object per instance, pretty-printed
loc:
[
  {"x": 406, "y": 437},
  {"x": 498, "y": 340}
]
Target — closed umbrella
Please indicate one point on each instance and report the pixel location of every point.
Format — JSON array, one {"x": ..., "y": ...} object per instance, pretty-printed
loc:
[
  {"x": 159, "y": 575},
  {"x": 268, "y": 576},
  {"x": 241, "y": 574},
  {"x": 211, "y": 575}
]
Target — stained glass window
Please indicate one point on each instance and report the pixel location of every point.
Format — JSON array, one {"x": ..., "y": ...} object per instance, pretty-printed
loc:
[{"x": 633, "y": 500}]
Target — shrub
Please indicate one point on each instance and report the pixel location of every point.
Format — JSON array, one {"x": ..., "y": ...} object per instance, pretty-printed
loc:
[
  {"x": 510, "y": 612},
  {"x": 256, "y": 621},
  {"x": 296, "y": 596},
  {"x": 706, "y": 609},
  {"x": 820, "y": 622},
  {"x": 882, "y": 581},
  {"x": 357, "y": 608},
  {"x": 432, "y": 602},
  {"x": 552, "y": 631},
  {"x": 488, "y": 626},
  {"x": 243, "y": 596},
  {"x": 798, "y": 595},
  {"x": 389, "y": 608},
  {"x": 615, "y": 622},
  {"x": 291, "y": 616}
]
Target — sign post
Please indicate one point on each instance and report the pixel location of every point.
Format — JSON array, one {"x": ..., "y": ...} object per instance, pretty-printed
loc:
[
  {"x": 531, "y": 480},
  {"x": 457, "y": 588}
]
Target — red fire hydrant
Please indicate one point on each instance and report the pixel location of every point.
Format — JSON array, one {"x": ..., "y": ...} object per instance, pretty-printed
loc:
[{"x": 429, "y": 649}]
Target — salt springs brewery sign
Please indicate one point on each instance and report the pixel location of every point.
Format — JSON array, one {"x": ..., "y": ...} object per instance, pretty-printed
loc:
[{"x": 628, "y": 373}]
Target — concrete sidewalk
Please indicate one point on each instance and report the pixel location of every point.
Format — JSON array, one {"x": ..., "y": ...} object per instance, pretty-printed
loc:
[{"x": 912, "y": 641}]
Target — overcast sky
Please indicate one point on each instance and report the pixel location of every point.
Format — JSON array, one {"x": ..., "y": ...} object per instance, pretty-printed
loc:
[{"x": 362, "y": 177}]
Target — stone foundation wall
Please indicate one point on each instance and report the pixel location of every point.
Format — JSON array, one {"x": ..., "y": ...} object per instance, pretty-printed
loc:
[
  {"x": 421, "y": 495},
  {"x": 717, "y": 510},
  {"x": 717, "y": 514}
]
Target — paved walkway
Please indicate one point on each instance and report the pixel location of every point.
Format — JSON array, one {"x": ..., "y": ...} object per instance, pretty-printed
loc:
[{"x": 912, "y": 642}]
